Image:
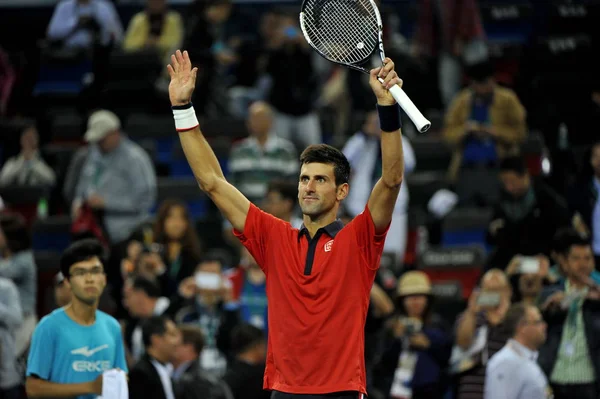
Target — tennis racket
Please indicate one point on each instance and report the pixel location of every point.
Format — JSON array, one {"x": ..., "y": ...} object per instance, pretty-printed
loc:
[{"x": 347, "y": 32}]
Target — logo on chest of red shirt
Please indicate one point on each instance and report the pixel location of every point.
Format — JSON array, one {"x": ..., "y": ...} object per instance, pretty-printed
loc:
[{"x": 328, "y": 245}]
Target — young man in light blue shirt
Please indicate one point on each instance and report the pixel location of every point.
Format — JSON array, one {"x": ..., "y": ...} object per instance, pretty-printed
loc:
[
  {"x": 513, "y": 372},
  {"x": 74, "y": 345}
]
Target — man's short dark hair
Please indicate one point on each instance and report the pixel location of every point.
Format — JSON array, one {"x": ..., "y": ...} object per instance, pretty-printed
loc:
[
  {"x": 565, "y": 238},
  {"x": 515, "y": 316},
  {"x": 149, "y": 287},
  {"x": 515, "y": 164},
  {"x": 80, "y": 251},
  {"x": 244, "y": 337},
  {"x": 155, "y": 325},
  {"x": 481, "y": 71},
  {"x": 323, "y": 153},
  {"x": 288, "y": 190},
  {"x": 16, "y": 232},
  {"x": 192, "y": 335}
]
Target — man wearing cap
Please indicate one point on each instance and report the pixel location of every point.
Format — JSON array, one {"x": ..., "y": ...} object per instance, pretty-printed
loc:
[{"x": 117, "y": 177}]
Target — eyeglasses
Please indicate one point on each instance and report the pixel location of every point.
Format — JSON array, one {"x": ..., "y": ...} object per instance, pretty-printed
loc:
[{"x": 95, "y": 271}]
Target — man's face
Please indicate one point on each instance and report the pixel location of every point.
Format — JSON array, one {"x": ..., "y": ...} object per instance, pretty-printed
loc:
[
  {"x": 135, "y": 303},
  {"x": 277, "y": 205},
  {"x": 371, "y": 125},
  {"x": 534, "y": 327},
  {"x": 515, "y": 184},
  {"x": 87, "y": 280},
  {"x": 168, "y": 343},
  {"x": 595, "y": 160},
  {"x": 110, "y": 142},
  {"x": 580, "y": 261},
  {"x": 29, "y": 139},
  {"x": 260, "y": 120},
  {"x": 317, "y": 191},
  {"x": 156, "y": 6},
  {"x": 484, "y": 88}
]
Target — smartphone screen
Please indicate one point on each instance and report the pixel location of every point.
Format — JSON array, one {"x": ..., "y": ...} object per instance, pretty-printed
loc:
[
  {"x": 529, "y": 265},
  {"x": 208, "y": 281},
  {"x": 488, "y": 299}
]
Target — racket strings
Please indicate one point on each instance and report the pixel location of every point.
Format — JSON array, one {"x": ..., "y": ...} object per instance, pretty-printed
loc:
[{"x": 342, "y": 30}]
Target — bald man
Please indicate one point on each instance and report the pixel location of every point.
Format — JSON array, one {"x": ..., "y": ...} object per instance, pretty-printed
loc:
[
  {"x": 260, "y": 158},
  {"x": 479, "y": 326}
]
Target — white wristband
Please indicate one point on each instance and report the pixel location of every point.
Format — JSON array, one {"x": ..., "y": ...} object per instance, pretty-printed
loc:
[{"x": 185, "y": 119}]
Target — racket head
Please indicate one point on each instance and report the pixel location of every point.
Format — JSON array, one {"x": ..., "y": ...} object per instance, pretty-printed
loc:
[{"x": 345, "y": 32}]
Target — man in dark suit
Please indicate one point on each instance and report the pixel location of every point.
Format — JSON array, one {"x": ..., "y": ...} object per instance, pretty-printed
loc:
[
  {"x": 244, "y": 375},
  {"x": 150, "y": 378},
  {"x": 191, "y": 382}
]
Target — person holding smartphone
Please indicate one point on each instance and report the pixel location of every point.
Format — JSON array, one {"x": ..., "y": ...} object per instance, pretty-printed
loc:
[{"x": 479, "y": 331}]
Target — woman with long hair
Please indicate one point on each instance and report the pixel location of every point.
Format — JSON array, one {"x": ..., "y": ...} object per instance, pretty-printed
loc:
[{"x": 179, "y": 242}]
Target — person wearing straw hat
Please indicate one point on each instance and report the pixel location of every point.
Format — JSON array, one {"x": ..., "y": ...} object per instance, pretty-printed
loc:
[{"x": 418, "y": 347}]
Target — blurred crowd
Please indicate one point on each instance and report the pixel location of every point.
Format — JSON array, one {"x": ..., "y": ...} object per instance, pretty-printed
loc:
[{"x": 98, "y": 157}]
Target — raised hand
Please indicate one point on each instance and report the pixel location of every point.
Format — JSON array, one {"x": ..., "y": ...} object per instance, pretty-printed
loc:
[
  {"x": 390, "y": 78},
  {"x": 183, "y": 78}
]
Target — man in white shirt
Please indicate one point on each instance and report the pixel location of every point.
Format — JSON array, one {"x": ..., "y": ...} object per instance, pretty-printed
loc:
[
  {"x": 513, "y": 372},
  {"x": 364, "y": 154}
]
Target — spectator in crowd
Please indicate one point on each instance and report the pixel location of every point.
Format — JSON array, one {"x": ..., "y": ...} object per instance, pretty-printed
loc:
[
  {"x": 156, "y": 28},
  {"x": 563, "y": 240},
  {"x": 528, "y": 275},
  {"x": 289, "y": 64},
  {"x": 570, "y": 357},
  {"x": 245, "y": 373},
  {"x": 526, "y": 217},
  {"x": 11, "y": 318},
  {"x": 584, "y": 199},
  {"x": 364, "y": 154},
  {"x": 73, "y": 172},
  {"x": 221, "y": 39},
  {"x": 479, "y": 333},
  {"x": 281, "y": 199},
  {"x": 28, "y": 168},
  {"x": 186, "y": 360},
  {"x": 208, "y": 302},
  {"x": 174, "y": 232},
  {"x": 190, "y": 381},
  {"x": 150, "y": 378},
  {"x": 484, "y": 123},
  {"x": 83, "y": 23},
  {"x": 250, "y": 290},
  {"x": 117, "y": 178},
  {"x": 513, "y": 372},
  {"x": 263, "y": 156},
  {"x": 62, "y": 291},
  {"x": 68, "y": 345},
  {"x": 143, "y": 300},
  {"x": 417, "y": 351},
  {"x": 450, "y": 33},
  {"x": 18, "y": 264}
]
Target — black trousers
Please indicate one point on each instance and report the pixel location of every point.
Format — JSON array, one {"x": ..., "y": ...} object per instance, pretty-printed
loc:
[
  {"x": 574, "y": 391},
  {"x": 333, "y": 395}
]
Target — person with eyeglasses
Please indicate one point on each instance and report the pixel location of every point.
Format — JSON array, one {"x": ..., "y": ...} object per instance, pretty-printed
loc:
[
  {"x": 513, "y": 372},
  {"x": 72, "y": 346}
]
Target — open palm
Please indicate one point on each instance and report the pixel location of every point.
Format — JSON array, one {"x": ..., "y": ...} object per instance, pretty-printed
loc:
[{"x": 183, "y": 78}]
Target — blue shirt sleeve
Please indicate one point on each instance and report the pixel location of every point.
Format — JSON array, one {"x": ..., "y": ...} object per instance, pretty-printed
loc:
[{"x": 42, "y": 349}]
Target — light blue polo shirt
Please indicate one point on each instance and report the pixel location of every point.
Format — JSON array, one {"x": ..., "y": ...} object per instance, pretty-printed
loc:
[
  {"x": 513, "y": 373},
  {"x": 65, "y": 352}
]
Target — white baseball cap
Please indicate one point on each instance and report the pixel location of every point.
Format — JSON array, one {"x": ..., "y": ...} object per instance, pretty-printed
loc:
[{"x": 100, "y": 124}]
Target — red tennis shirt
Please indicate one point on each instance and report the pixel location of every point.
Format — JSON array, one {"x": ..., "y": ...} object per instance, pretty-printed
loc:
[{"x": 318, "y": 291}]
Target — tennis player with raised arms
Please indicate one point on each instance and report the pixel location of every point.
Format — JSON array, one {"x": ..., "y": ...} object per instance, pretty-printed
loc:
[{"x": 319, "y": 277}]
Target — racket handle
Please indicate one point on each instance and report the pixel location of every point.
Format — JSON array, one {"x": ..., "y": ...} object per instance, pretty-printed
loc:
[{"x": 410, "y": 108}]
